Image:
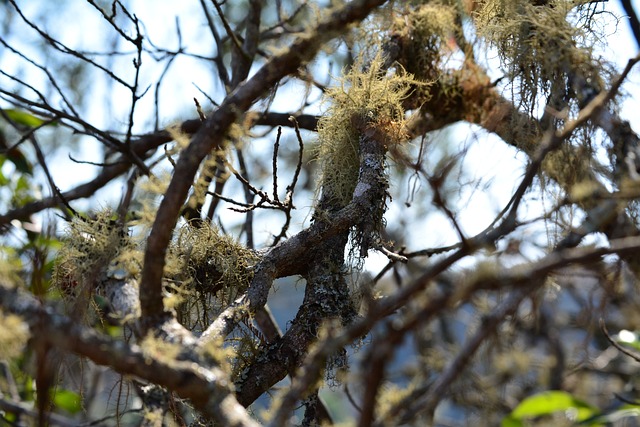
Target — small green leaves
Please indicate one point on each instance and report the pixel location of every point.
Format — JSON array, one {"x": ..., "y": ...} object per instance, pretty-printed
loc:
[
  {"x": 25, "y": 118},
  {"x": 549, "y": 403},
  {"x": 14, "y": 155},
  {"x": 67, "y": 400}
]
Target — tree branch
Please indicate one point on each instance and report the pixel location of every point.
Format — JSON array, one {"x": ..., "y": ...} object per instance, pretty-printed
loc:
[
  {"x": 213, "y": 131},
  {"x": 209, "y": 388}
]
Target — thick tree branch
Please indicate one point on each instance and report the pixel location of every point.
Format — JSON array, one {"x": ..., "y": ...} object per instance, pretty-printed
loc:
[
  {"x": 209, "y": 388},
  {"x": 213, "y": 131}
]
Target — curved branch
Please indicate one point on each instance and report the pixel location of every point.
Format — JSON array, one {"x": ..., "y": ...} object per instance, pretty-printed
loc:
[{"x": 213, "y": 131}]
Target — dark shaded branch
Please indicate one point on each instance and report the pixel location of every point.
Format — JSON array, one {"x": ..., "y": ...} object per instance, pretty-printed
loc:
[
  {"x": 379, "y": 355},
  {"x": 242, "y": 56},
  {"x": 220, "y": 68},
  {"x": 634, "y": 23}
]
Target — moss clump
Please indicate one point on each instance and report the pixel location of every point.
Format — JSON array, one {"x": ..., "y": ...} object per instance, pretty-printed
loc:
[
  {"x": 366, "y": 94},
  {"x": 424, "y": 33},
  {"x": 211, "y": 262},
  {"x": 538, "y": 45},
  {"x": 92, "y": 247}
]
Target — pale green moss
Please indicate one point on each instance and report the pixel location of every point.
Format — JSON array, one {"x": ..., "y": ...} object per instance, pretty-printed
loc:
[
  {"x": 213, "y": 262},
  {"x": 14, "y": 334},
  {"x": 367, "y": 93}
]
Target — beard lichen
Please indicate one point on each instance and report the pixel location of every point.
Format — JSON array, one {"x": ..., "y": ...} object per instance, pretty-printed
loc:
[
  {"x": 14, "y": 334},
  {"x": 538, "y": 45},
  {"x": 92, "y": 249},
  {"x": 367, "y": 93},
  {"x": 214, "y": 266},
  {"x": 424, "y": 33}
]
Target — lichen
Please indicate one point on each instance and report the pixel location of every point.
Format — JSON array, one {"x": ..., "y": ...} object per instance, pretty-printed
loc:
[
  {"x": 425, "y": 34},
  {"x": 154, "y": 348},
  {"x": 14, "y": 334},
  {"x": 92, "y": 247},
  {"x": 215, "y": 261},
  {"x": 366, "y": 93},
  {"x": 537, "y": 45},
  {"x": 207, "y": 270}
]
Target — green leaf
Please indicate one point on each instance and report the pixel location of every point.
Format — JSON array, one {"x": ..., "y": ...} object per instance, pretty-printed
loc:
[
  {"x": 3, "y": 179},
  {"x": 20, "y": 161},
  {"x": 16, "y": 157},
  {"x": 509, "y": 421},
  {"x": 548, "y": 403},
  {"x": 67, "y": 400},
  {"x": 26, "y": 119}
]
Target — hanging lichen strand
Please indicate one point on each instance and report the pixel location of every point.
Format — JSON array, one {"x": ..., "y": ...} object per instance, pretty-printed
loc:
[
  {"x": 366, "y": 94},
  {"x": 368, "y": 101},
  {"x": 539, "y": 47}
]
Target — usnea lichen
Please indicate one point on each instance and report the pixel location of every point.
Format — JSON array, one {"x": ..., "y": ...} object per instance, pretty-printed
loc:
[
  {"x": 14, "y": 334},
  {"x": 367, "y": 94},
  {"x": 537, "y": 44},
  {"x": 425, "y": 34},
  {"x": 216, "y": 259},
  {"x": 92, "y": 247},
  {"x": 210, "y": 263}
]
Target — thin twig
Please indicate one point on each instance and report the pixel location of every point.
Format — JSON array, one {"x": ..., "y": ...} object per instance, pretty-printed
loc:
[
  {"x": 201, "y": 114},
  {"x": 632, "y": 354},
  {"x": 66, "y": 50},
  {"x": 248, "y": 223},
  {"x": 54, "y": 188},
  {"x": 227, "y": 28},
  {"x": 274, "y": 164},
  {"x": 220, "y": 67}
]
